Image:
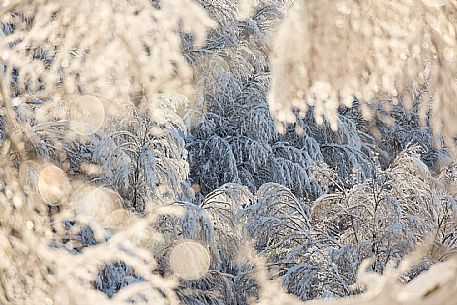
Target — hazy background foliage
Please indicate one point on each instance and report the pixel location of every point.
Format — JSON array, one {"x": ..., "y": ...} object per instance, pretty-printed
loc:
[{"x": 227, "y": 152}]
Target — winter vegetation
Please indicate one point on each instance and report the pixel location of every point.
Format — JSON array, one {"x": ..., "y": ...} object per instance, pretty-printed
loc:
[{"x": 228, "y": 152}]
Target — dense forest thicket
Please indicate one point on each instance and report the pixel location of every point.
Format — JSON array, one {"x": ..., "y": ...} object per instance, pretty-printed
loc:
[{"x": 145, "y": 158}]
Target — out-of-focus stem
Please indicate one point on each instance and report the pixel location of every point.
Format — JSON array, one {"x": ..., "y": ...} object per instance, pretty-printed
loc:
[{"x": 17, "y": 145}]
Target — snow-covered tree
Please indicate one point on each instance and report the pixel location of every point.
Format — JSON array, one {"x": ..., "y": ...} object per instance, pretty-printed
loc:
[
  {"x": 318, "y": 58},
  {"x": 162, "y": 152}
]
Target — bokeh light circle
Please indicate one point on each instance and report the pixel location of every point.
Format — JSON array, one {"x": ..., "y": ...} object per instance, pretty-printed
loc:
[
  {"x": 87, "y": 115},
  {"x": 189, "y": 260},
  {"x": 53, "y": 185},
  {"x": 118, "y": 219},
  {"x": 97, "y": 203},
  {"x": 220, "y": 63}
]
